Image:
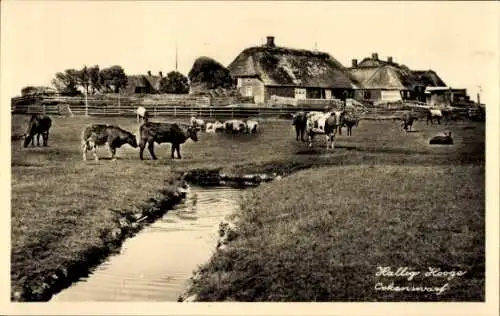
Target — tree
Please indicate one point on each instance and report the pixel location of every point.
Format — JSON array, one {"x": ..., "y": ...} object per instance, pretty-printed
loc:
[
  {"x": 174, "y": 82},
  {"x": 95, "y": 79},
  {"x": 84, "y": 79},
  {"x": 67, "y": 82},
  {"x": 114, "y": 78}
]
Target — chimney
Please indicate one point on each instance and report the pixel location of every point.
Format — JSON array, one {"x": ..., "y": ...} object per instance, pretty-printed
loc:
[
  {"x": 149, "y": 73},
  {"x": 354, "y": 63},
  {"x": 270, "y": 41},
  {"x": 160, "y": 74},
  {"x": 375, "y": 56},
  {"x": 389, "y": 59}
]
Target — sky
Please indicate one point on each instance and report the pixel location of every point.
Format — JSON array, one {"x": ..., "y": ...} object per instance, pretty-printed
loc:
[{"x": 459, "y": 40}]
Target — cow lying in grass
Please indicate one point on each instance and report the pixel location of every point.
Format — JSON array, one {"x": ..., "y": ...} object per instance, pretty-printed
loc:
[
  {"x": 442, "y": 140},
  {"x": 101, "y": 134},
  {"x": 212, "y": 127},
  {"x": 324, "y": 123},
  {"x": 176, "y": 134},
  {"x": 235, "y": 126},
  {"x": 39, "y": 124}
]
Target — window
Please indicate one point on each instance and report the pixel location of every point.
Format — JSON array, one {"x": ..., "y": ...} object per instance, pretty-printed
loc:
[
  {"x": 300, "y": 93},
  {"x": 367, "y": 94}
]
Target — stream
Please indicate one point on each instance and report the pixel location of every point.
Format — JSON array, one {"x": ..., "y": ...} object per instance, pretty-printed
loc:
[{"x": 155, "y": 264}]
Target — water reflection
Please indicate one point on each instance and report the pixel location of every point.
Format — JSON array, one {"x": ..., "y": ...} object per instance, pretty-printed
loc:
[{"x": 155, "y": 264}]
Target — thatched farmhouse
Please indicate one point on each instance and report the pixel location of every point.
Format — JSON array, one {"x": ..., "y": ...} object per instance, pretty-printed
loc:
[
  {"x": 265, "y": 71},
  {"x": 143, "y": 83},
  {"x": 387, "y": 81},
  {"x": 209, "y": 77}
]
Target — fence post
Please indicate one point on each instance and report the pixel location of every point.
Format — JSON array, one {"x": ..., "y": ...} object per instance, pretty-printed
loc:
[
  {"x": 154, "y": 110},
  {"x": 175, "y": 111},
  {"x": 43, "y": 105},
  {"x": 210, "y": 109},
  {"x": 232, "y": 112}
]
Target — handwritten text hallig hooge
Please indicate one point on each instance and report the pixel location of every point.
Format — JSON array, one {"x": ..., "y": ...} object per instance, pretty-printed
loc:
[{"x": 411, "y": 275}]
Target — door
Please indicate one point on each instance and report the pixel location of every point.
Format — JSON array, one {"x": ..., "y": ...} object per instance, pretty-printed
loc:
[{"x": 248, "y": 91}]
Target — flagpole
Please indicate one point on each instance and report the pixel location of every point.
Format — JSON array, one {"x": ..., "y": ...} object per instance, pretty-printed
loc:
[
  {"x": 86, "y": 104},
  {"x": 176, "y": 55}
]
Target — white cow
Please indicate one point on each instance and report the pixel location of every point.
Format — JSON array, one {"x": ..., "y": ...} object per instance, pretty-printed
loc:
[
  {"x": 434, "y": 114},
  {"x": 142, "y": 113},
  {"x": 214, "y": 127},
  {"x": 251, "y": 126},
  {"x": 197, "y": 122}
]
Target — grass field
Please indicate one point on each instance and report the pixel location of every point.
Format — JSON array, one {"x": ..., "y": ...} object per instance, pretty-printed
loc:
[
  {"x": 320, "y": 235},
  {"x": 63, "y": 206}
]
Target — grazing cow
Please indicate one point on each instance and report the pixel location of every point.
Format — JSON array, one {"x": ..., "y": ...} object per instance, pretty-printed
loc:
[
  {"x": 324, "y": 123},
  {"x": 251, "y": 126},
  {"x": 142, "y": 113},
  {"x": 39, "y": 125},
  {"x": 300, "y": 122},
  {"x": 407, "y": 121},
  {"x": 173, "y": 133},
  {"x": 100, "y": 134},
  {"x": 442, "y": 140},
  {"x": 199, "y": 123},
  {"x": 235, "y": 126},
  {"x": 214, "y": 127},
  {"x": 434, "y": 114}
]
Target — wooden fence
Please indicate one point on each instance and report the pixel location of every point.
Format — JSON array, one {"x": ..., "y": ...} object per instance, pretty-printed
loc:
[{"x": 126, "y": 107}]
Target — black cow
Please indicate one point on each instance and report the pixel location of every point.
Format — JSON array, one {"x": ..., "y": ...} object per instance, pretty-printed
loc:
[
  {"x": 300, "y": 122},
  {"x": 349, "y": 122},
  {"x": 173, "y": 133},
  {"x": 407, "y": 120},
  {"x": 39, "y": 125},
  {"x": 100, "y": 134}
]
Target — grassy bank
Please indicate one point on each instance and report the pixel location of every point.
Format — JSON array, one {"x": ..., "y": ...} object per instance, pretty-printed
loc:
[
  {"x": 320, "y": 234},
  {"x": 65, "y": 210}
]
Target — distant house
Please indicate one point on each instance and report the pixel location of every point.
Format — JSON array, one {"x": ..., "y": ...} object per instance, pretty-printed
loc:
[
  {"x": 447, "y": 96},
  {"x": 386, "y": 81},
  {"x": 265, "y": 71},
  {"x": 143, "y": 84}
]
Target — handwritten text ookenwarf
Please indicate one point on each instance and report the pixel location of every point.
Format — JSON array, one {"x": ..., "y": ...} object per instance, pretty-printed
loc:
[{"x": 411, "y": 275}]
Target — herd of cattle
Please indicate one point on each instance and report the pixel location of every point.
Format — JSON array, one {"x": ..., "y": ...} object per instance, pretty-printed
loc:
[{"x": 307, "y": 124}]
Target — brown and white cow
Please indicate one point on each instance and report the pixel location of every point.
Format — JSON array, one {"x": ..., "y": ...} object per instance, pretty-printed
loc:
[
  {"x": 324, "y": 124},
  {"x": 155, "y": 132},
  {"x": 96, "y": 135}
]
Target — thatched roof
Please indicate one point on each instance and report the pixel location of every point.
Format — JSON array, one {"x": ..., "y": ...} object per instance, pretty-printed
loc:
[
  {"x": 429, "y": 78},
  {"x": 373, "y": 73},
  {"x": 392, "y": 78},
  {"x": 142, "y": 81},
  {"x": 279, "y": 66},
  {"x": 154, "y": 81}
]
